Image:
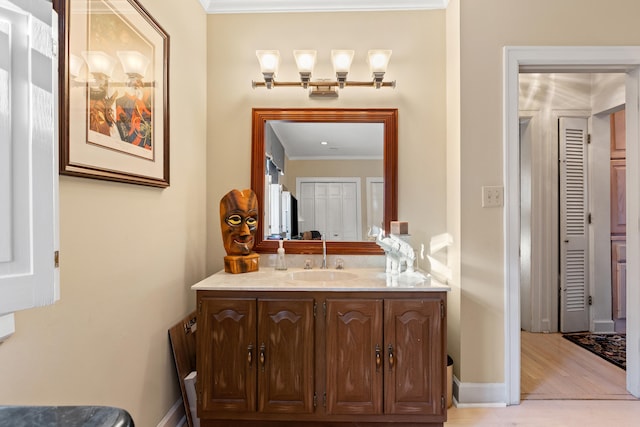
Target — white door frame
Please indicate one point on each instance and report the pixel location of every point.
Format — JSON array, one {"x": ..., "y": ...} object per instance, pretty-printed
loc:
[{"x": 556, "y": 59}]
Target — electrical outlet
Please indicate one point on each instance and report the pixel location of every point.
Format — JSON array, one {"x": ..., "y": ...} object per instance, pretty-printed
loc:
[{"x": 492, "y": 197}]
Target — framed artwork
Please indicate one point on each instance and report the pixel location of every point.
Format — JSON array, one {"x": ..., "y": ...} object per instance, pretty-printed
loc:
[{"x": 114, "y": 92}]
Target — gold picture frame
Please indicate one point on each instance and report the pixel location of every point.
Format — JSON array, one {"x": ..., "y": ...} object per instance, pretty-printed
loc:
[{"x": 114, "y": 92}]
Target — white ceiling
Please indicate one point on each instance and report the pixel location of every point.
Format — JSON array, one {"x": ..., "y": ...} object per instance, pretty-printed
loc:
[
  {"x": 265, "y": 6},
  {"x": 344, "y": 140}
]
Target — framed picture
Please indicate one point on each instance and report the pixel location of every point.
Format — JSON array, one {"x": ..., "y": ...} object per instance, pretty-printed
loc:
[{"x": 114, "y": 92}]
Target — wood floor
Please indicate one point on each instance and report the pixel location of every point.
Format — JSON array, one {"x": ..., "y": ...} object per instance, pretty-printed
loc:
[
  {"x": 562, "y": 385},
  {"x": 550, "y": 413},
  {"x": 554, "y": 368}
]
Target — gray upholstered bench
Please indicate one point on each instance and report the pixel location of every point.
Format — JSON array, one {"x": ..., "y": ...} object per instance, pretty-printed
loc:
[{"x": 67, "y": 416}]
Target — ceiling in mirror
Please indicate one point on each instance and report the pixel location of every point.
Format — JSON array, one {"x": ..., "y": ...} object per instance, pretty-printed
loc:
[{"x": 344, "y": 141}]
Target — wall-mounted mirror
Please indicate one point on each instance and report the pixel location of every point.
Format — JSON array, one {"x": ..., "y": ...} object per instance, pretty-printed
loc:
[{"x": 330, "y": 172}]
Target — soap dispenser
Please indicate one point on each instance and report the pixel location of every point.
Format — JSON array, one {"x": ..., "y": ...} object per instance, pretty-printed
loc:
[{"x": 281, "y": 264}]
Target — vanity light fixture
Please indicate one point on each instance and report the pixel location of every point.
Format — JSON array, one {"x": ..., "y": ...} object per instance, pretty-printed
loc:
[
  {"x": 269, "y": 61},
  {"x": 305, "y": 61},
  {"x": 101, "y": 66},
  {"x": 378, "y": 60},
  {"x": 75, "y": 65},
  {"x": 134, "y": 65},
  {"x": 103, "y": 84}
]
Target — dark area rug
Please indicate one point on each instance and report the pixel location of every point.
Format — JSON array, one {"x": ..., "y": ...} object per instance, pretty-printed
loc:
[{"x": 611, "y": 347}]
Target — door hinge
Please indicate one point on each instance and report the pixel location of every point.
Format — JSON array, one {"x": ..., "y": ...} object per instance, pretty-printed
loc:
[
  {"x": 441, "y": 310},
  {"x": 442, "y": 401},
  {"x": 590, "y": 300},
  {"x": 315, "y": 399},
  {"x": 56, "y": 259},
  {"x": 324, "y": 308},
  {"x": 588, "y": 138},
  {"x": 315, "y": 309},
  {"x": 589, "y": 218},
  {"x": 324, "y": 399}
]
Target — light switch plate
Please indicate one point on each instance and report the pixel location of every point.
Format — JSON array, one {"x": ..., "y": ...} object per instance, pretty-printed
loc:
[{"x": 492, "y": 197}]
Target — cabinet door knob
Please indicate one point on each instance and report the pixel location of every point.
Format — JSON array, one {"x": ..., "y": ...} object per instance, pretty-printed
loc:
[
  {"x": 378, "y": 357},
  {"x": 262, "y": 355},
  {"x": 391, "y": 358},
  {"x": 250, "y": 354}
]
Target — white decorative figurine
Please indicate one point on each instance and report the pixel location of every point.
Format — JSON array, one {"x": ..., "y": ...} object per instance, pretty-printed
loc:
[{"x": 399, "y": 253}]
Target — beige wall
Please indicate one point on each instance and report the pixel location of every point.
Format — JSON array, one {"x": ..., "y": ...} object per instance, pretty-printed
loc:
[
  {"x": 129, "y": 253},
  {"x": 128, "y": 256},
  {"x": 486, "y": 27},
  {"x": 417, "y": 63}
]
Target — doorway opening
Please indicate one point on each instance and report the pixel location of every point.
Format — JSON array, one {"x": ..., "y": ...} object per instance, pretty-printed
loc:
[
  {"x": 566, "y": 282},
  {"x": 566, "y": 59}
]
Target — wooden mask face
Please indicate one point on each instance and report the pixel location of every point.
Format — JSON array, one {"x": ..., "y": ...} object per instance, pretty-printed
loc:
[{"x": 239, "y": 221}]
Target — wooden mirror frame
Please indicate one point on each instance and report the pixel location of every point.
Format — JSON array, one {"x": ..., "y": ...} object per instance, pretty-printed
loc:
[{"x": 389, "y": 117}]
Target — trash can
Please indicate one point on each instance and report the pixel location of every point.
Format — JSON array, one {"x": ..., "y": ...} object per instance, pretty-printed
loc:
[{"x": 449, "y": 381}]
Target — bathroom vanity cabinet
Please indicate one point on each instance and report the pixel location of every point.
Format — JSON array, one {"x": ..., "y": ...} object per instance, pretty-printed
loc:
[
  {"x": 257, "y": 353},
  {"x": 322, "y": 354}
]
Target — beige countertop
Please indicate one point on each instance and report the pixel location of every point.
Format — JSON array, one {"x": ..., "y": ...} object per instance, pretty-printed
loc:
[{"x": 297, "y": 279}]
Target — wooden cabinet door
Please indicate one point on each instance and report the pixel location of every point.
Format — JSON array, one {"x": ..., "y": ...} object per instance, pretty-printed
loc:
[
  {"x": 414, "y": 356},
  {"x": 618, "y": 135},
  {"x": 285, "y": 356},
  {"x": 354, "y": 351},
  {"x": 226, "y": 358},
  {"x": 619, "y": 282},
  {"x": 618, "y": 197}
]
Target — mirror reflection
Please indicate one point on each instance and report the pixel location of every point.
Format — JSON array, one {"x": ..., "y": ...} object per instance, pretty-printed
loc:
[
  {"x": 328, "y": 173},
  {"x": 323, "y": 179}
]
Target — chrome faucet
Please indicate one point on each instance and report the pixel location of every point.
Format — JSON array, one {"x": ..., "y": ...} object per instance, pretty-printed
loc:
[{"x": 324, "y": 252}]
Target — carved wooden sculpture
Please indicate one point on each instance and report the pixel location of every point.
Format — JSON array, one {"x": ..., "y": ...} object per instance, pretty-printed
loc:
[{"x": 239, "y": 223}]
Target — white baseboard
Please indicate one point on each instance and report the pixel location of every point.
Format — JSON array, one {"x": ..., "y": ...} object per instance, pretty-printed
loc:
[
  {"x": 175, "y": 417},
  {"x": 7, "y": 326},
  {"x": 603, "y": 326},
  {"x": 478, "y": 394}
]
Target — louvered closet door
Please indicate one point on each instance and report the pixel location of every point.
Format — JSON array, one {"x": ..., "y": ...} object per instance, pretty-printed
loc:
[{"x": 574, "y": 243}]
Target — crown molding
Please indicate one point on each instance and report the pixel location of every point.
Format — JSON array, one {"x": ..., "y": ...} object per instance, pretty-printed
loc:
[{"x": 270, "y": 6}]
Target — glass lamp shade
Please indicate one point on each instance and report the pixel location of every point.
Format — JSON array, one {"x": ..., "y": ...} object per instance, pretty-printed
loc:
[
  {"x": 99, "y": 62},
  {"x": 305, "y": 60},
  {"x": 75, "y": 65},
  {"x": 269, "y": 61},
  {"x": 341, "y": 60},
  {"x": 379, "y": 60},
  {"x": 133, "y": 62}
]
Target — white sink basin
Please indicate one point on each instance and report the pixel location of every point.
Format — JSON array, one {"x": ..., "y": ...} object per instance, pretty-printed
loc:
[{"x": 322, "y": 275}]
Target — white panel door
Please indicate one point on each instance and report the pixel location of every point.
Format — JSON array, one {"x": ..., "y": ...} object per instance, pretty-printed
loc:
[
  {"x": 275, "y": 210},
  {"x": 7, "y": 22},
  {"x": 28, "y": 155},
  {"x": 321, "y": 207},
  {"x": 330, "y": 206},
  {"x": 334, "y": 213},
  {"x": 351, "y": 229},
  {"x": 574, "y": 242},
  {"x": 306, "y": 207},
  {"x": 375, "y": 202}
]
